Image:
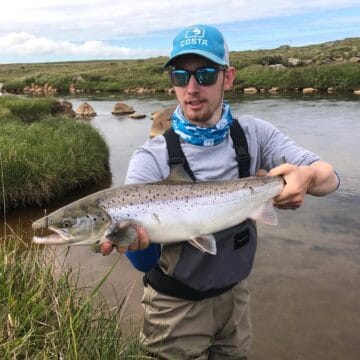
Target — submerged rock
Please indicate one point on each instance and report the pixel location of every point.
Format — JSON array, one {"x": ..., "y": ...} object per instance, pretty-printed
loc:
[{"x": 137, "y": 116}]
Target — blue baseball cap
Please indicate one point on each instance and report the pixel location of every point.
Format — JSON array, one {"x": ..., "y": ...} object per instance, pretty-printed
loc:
[{"x": 206, "y": 41}]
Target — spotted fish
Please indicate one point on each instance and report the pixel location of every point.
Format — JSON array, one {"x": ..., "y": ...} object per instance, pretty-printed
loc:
[{"x": 170, "y": 211}]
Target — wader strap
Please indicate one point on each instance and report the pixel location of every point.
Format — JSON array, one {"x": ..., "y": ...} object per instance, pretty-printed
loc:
[
  {"x": 241, "y": 149},
  {"x": 176, "y": 155},
  {"x": 172, "y": 287}
]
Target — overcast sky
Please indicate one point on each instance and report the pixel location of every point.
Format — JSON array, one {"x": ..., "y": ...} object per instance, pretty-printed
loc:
[{"x": 59, "y": 30}]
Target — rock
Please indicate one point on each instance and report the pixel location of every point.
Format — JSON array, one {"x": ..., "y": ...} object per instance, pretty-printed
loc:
[
  {"x": 64, "y": 107},
  {"x": 355, "y": 59},
  {"x": 357, "y": 92},
  {"x": 85, "y": 109},
  {"x": 274, "y": 90},
  {"x": 294, "y": 61},
  {"x": 161, "y": 120},
  {"x": 277, "y": 66},
  {"x": 72, "y": 89},
  {"x": 137, "y": 116},
  {"x": 143, "y": 90},
  {"x": 310, "y": 91},
  {"x": 250, "y": 90},
  {"x": 122, "y": 109},
  {"x": 330, "y": 90}
]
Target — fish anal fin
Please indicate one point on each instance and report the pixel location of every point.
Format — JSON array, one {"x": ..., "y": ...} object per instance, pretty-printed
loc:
[
  {"x": 205, "y": 243},
  {"x": 121, "y": 233},
  {"x": 265, "y": 214}
]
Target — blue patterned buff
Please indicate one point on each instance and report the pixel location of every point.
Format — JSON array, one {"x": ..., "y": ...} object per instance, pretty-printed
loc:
[{"x": 202, "y": 136}]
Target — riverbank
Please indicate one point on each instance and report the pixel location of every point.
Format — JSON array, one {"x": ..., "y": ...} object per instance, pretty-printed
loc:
[
  {"x": 330, "y": 67},
  {"x": 45, "y": 155}
]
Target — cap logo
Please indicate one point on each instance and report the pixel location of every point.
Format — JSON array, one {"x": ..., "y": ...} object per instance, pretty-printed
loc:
[
  {"x": 194, "y": 36},
  {"x": 195, "y": 32}
]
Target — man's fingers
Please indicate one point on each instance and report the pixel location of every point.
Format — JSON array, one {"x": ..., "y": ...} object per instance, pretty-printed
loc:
[
  {"x": 106, "y": 248},
  {"x": 141, "y": 242}
]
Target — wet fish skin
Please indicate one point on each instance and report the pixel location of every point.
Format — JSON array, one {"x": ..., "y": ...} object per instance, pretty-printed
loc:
[{"x": 170, "y": 212}]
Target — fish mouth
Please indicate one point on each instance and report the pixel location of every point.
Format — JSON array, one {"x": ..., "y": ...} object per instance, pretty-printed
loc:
[{"x": 58, "y": 237}]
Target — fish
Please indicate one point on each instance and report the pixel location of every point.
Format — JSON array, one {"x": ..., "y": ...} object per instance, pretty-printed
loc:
[{"x": 171, "y": 211}]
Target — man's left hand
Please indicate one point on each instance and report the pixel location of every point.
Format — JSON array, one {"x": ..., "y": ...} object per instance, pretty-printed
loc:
[{"x": 297, "y": 181}]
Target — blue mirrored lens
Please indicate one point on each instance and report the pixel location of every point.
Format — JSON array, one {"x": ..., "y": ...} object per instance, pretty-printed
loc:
[{"x": 204, "y": 76}]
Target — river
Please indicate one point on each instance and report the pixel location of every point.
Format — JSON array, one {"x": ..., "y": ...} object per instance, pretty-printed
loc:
[{"x": 305, "y": 285}]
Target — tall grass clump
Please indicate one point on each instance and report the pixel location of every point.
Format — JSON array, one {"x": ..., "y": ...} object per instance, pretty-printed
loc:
[
  {"x": 48, "y": 158},
  {"x": 43, "y": 316}
]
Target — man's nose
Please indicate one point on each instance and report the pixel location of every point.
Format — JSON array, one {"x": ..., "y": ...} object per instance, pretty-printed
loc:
[{"x": 193, "y": 85}]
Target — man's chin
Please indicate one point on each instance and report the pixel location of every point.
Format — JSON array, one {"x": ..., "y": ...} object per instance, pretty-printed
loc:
[{"x": 197, "y": 118}]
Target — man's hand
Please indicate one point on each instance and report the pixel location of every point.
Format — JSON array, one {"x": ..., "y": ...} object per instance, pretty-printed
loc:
[
  {"x": 297, "y": 181},
  {"x": 317, "y": 179},
  {"x": 141, "y": 242}
]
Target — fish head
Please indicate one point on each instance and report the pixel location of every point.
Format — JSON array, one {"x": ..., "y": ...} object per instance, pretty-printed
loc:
[{"x": 73, "y": 224}]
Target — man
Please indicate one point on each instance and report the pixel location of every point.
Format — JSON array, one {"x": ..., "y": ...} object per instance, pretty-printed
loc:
[{"x": 197, "y": 305}]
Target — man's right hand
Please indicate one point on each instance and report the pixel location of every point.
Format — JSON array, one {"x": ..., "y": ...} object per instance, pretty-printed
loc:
[{"x": 141, "y": 242}]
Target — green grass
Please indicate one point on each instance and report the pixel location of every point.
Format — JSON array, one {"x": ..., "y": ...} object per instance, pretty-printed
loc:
[
  {"x": 25, "y": 109},
  {"x": 44, "y": 316},
  {"x": 118, "y": 75},
  {"x": 44, "y": 159}
]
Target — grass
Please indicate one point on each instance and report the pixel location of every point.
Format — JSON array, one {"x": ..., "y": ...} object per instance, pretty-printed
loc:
[
  {"x": 44, "y": 316},
  {"x": 43, "y": 156},
  {"x": 315, "y": 68}
]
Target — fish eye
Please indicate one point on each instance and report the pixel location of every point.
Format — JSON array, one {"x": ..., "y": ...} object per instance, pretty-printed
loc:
[{"x": 66, "y": 223}]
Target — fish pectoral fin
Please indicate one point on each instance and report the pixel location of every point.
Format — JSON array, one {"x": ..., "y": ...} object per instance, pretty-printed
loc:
[
  {"x": 121, "y": 233},
  {"x": 265, "y": 214},
  {"x": 205, "y": 243}
]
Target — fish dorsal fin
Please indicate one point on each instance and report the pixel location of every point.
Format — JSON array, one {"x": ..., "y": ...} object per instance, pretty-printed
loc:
[
  {"x": 205, "y": 243},
  {"x": 265, "y": 214},
  {"x": 178, "y": 174}
]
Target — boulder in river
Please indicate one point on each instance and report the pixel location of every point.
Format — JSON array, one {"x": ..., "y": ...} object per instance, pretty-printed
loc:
[
  {"x": 122, "y": 109},
  {"x": 85, "y": 109},
  {"x": 161, "y": 120}
]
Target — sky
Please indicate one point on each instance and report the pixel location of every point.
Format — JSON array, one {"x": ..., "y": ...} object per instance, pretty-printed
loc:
[{"x": 68, "y": 30}]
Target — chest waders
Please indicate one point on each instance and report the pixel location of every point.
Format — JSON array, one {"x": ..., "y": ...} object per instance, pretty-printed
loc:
[{"x": 242, "y": 237}]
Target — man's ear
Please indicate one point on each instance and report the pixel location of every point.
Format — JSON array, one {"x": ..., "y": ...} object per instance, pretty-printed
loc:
[{"x": 229, "y": 77}]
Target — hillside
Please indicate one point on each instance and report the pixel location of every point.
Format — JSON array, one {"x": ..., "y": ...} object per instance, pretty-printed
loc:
[{"x": 334, "y": 65}]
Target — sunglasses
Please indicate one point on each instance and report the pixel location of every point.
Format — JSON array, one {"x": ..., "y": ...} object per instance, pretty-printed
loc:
[{"x": 205, "y": 76}]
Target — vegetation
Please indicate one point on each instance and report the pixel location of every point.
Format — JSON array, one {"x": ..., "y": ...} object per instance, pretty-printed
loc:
[
  {"x": 332, "y": 64},
  {"x": 48, "y": 317},
  {"x": 44, "y": 156}
]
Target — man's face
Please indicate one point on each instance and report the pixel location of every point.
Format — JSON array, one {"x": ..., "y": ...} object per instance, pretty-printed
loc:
[{"x": 202, "y": 105}]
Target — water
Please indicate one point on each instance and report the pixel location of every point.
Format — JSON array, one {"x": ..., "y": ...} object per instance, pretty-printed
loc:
[{"x": 306, "y": 281}]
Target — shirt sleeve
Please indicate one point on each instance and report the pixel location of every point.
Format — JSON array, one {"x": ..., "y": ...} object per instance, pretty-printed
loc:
[{"x": 145, "y": 260}]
